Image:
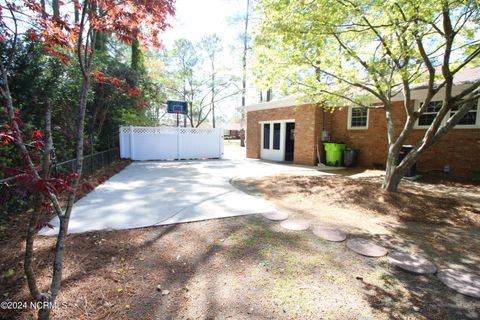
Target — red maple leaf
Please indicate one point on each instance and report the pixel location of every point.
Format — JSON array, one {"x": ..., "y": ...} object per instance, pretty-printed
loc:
[
  {"x": 32, "y": 35},
  {"x": 37, "y": 134}
]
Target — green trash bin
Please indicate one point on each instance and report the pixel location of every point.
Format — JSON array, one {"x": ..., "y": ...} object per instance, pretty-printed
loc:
[{"x": 334, "y": 153}]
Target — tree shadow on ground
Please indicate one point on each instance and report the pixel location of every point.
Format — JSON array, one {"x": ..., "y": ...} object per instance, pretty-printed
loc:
[
  {"x": 87, "y": 256},
  {"x": 401, "y": 294},
  {"x": 248, "y": 267},
  {"x": 427, "y": 204},
  {"x": 438, "y": 222}
]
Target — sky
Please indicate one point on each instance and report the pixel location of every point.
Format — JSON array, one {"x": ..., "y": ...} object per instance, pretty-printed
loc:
[{"x": 197, "y": 18}]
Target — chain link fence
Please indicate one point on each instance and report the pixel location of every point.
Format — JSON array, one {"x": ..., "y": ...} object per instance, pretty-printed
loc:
[
  {"x": 15, "y": 198},
  {"x": 91, "y": 163}
]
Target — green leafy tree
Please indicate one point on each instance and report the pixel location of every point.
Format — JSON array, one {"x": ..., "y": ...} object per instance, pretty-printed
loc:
[
  {"x": 68, "y": 32},
  {"x": 360, "y": 52},
  {"x": 211, "y": 45},
  {"x": 188, "y": 78},
  {"x": 138, "y": 63}
]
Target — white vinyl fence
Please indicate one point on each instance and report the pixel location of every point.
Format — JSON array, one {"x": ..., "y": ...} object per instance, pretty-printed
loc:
[{"x": 158, "y": 143}]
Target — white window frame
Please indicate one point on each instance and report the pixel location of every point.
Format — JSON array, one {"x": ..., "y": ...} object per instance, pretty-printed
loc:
[
  {"x": 458, "y": 126},
  {"x": 349, "y": 120},
  {"x": 271, "y": 122},
  {"x": 417, "y": 107},
  {"x": 468, "y": 126},
  {"x": 274, "y": 154}
]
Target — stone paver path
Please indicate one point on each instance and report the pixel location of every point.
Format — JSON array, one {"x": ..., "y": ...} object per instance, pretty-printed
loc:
[
  {"x": 466, "y": 283},
  {"x": 366, "y": 247},
  {"x": 296, "y": 224},
  {"x": 411, "y": 263},
  {"x": 275, "y": 215},
  {"x": 329, "y": 234}
]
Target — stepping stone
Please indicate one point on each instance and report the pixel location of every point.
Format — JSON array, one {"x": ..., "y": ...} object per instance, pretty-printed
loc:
[
  {"x": 329, "y": 234},
  {"x": 295, "y": 224},
  {"x": 466, "y": 283},
  {"x": 411, "y": 263},
  {"x": 275, "y": 215},
  {"x": 366, "y": 247}
]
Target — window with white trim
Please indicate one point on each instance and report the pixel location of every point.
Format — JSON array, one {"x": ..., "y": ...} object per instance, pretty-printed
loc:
[
  {"x": 470, "y": 119},
  {"x": 357, "y": 118},
  {"x": 426, "y": 119}
]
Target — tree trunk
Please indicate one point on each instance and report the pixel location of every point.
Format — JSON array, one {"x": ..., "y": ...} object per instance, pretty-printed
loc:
[
  {"x": 27, "y": 266},
  {"x": 392, "y": 181},
  {"x": 76, "y": 5},
  {"x": 244, "y": 69},
  {"x": 44, "y": 313},
  {"x": 394, "y": 173},
  {"x": 392, "y": 178},
  {"x": 28, "y": 258},
  {"x": 213, "y": 92},
  {"x": 213, "y": 115},
  {"x": 56, "y": 9}
]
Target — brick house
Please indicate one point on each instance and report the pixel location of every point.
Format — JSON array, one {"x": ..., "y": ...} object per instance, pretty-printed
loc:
[{"x": 285, "y": 130}]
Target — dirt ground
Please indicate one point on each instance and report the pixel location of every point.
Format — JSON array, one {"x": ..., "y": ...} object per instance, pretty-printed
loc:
[
  {"x": 250, "y": 268},
  {"x": 451, "y": 204}
]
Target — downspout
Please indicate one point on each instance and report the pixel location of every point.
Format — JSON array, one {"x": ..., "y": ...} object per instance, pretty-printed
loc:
[
  {"x": 323, "y": 136},
  {"x": 324, "y": 120}
]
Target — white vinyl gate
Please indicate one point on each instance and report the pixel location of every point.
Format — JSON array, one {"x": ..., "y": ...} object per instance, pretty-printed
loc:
[{"x": 158, "y": 143}]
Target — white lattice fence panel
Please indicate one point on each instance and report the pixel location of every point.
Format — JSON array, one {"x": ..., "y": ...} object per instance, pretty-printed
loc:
[
  {"x": 124, "y": 140},
  {"x": 200, "y": 143},
  {"x": 155, "y": 143},
  {"x": 154, "y": 130},
  {"x": 198, "y": 131}
]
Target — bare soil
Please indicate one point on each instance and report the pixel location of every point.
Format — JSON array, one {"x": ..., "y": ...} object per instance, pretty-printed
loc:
[
  {"x": 13, "y": 230},
  {"x": 451, "y": 204},
  {"x": 250, "y": 268}
]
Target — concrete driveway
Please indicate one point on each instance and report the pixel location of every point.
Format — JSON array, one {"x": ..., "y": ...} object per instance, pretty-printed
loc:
[{"x": 159, "y": 193}]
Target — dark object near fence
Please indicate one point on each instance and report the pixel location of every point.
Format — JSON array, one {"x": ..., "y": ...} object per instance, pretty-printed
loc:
[
  {"x": 412, "y": 171},
  {"x": 232, "y": 134},
  {"x": 15, "y": 198},
  {"x": 350, "y": 157}
]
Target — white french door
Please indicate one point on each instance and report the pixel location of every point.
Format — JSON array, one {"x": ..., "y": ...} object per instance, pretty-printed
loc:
[{"x": 272, "y": 142}]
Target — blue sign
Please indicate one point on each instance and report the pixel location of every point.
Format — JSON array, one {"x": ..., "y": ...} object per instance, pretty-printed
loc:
[{"x": 179, "y": 107}]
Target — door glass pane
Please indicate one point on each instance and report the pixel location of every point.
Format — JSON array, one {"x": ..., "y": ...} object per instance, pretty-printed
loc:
[
  {"x": 266, "y": 136},
  {"x": 276, "y": 136}
]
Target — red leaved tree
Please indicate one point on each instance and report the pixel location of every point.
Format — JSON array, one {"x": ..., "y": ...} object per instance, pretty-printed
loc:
[{"x": 68, "y": 32}]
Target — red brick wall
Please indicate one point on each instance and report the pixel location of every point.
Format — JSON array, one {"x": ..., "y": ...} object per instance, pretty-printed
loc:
[
  {"x": 306, "y": 124},
  {"x": 459, "y": 148}
]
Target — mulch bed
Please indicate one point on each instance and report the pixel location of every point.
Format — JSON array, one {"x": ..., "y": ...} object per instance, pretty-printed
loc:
[
  {"x": 415, "y": 202},
  {"x": 248, "y": 267},
  {"x": 13, "y": 229}
]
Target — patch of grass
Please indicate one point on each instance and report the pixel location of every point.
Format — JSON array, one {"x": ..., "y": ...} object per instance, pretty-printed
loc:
[
  {"x": 290, "y": 269},
  {"x": 232, "y": 237},
  {"x": 254, "y": 237},
  {"x": 258, "y": 235},
  {"x": 290, "y": 294},
  {"x": 293, "y": 269},
  {"x": 379, "y": 276}
]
